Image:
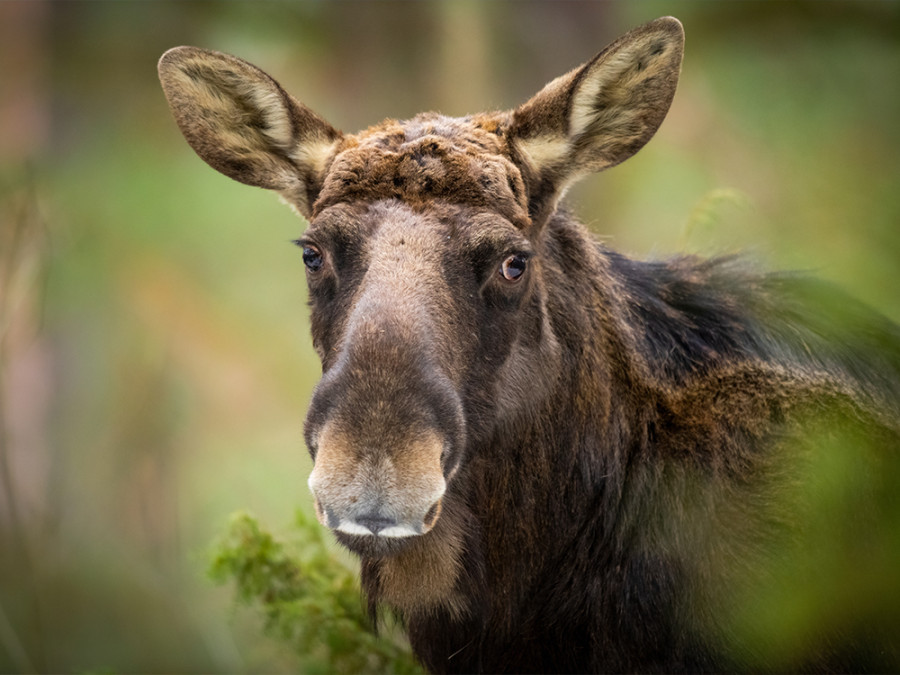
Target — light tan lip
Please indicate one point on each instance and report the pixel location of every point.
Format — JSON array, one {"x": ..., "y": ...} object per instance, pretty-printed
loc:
[{"x": 394, "y": 532}]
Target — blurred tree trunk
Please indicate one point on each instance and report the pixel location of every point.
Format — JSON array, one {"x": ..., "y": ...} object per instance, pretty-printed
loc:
[
  {"x": 24, "y": 56},
  {"x": 464, "y": 78},
  {"x": 24, "y": 358}
]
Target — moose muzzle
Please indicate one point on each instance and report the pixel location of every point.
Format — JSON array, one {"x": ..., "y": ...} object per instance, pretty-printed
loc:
[
  {"x": 386, "y": 431},
  {"x": 369, "y": 491}
]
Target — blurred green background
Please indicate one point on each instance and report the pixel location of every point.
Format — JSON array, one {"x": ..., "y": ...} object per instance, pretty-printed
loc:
[{"x": 155, "y": 362}]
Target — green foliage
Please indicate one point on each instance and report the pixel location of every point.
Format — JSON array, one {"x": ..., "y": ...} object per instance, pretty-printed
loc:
[
  {"x": 307, "y": 597},
  {"x": 836, "y": 576}
]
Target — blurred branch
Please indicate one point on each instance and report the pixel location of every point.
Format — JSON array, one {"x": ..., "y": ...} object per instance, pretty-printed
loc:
[
  {"x": 21, "y": 264},
  {"x": 308, "y": 599},
  {"x": 706, "y": 215}
]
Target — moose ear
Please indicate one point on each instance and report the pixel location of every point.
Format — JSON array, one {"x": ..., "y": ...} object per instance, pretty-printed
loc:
[
  {"x": 599, "y": 114},
  {"x": 243, "y": 124}
]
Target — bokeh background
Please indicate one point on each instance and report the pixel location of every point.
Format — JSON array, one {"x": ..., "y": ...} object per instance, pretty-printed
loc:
[{"x": 155, "y": 362}]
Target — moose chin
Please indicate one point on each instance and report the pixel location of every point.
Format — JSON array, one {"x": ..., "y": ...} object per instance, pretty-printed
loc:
[{"x": 548, "y": 456}]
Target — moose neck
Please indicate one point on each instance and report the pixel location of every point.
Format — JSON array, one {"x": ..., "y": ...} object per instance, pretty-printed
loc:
[{"x": 535, "y": 474}]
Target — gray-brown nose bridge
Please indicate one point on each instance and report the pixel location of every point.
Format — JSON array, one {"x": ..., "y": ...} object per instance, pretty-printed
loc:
[
  {"x": 403, "y": 308},
  {"x": 388, "y": 409}
]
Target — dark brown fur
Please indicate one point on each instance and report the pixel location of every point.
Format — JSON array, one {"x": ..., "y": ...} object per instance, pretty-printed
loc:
[{"x": 576, "y": 469}]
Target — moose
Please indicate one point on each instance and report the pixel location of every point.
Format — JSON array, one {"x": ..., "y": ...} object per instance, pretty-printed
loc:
[{"x": 548, "y": 456}]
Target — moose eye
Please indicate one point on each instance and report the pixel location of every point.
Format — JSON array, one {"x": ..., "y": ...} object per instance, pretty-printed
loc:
[
  {"x": 312, "y": 258},
  {"x": 513, "y": 267}
]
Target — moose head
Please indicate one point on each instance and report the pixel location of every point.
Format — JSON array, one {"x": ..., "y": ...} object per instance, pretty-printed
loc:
[{"x": 426, "y": 257}]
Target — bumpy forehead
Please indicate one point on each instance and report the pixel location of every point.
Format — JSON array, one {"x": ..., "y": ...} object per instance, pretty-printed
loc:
[{"x": 428, "y": 158}]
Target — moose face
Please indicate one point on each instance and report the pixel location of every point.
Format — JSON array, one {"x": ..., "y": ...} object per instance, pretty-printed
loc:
[
  {"x": 410, "y": 320},
  {"x": 417, "y": 303},
  {"x": 427, "y": 260}
]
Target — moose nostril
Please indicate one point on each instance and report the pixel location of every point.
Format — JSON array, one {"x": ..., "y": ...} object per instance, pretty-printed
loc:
[{"x": 375, "y": 523}]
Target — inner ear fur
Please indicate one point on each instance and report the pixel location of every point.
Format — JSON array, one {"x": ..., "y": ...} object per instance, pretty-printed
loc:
[
  {"x": 599, "y": 114},
  {"x": 243, "y": 124}
]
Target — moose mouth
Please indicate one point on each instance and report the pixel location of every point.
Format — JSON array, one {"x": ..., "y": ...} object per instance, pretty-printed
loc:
[
  {"x": 376, "y": 536},
  {"x": 375, "y": 545}
]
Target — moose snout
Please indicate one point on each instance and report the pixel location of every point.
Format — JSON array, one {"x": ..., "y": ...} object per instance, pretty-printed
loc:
[
  {"x": 385, "y": 427},
  {"x": 366, "y": 491}
]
